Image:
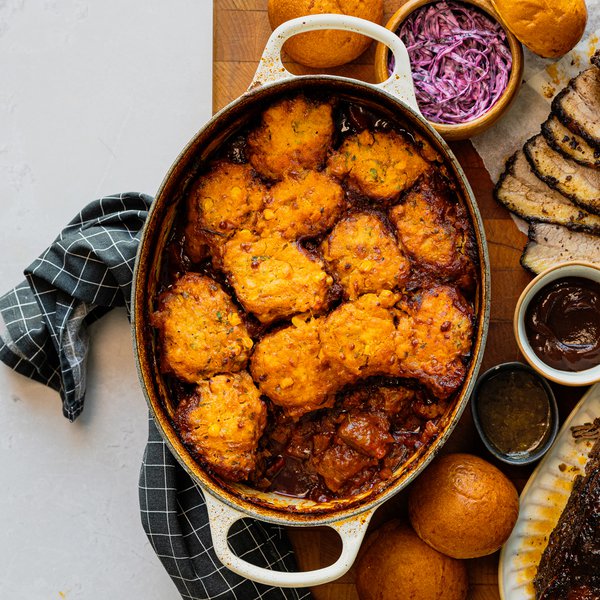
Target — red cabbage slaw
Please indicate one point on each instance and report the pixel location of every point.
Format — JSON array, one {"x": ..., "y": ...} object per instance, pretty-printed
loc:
[{"x": 460, "y": 60}]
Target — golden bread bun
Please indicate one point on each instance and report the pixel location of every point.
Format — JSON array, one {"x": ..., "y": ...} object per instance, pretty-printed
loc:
[
  {"x": 329, "y": 48},
  {"x": 395, "y": 564},
  {"x": 549, "y": 28},
  {"x": 463, "y": 506}
]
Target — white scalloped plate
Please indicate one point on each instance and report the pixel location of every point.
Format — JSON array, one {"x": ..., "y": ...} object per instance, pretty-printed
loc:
[{"x": 542, "y": 501}]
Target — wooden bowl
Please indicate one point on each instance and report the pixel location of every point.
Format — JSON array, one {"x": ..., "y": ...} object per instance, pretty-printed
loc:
[{"x": 468, "y": 129}]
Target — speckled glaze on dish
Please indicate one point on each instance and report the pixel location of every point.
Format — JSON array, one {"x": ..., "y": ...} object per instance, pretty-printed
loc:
[{"x": 228, "y": 502}]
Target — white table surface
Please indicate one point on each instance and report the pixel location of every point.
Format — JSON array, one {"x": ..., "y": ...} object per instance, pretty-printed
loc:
[{"x": 96, "y": 97}]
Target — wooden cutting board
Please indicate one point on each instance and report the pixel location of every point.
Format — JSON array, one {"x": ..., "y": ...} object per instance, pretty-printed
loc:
[{"x": 241, "y": 29}]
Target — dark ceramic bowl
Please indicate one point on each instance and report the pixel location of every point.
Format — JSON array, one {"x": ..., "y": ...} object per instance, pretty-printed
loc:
[{"x": 542, "y": 448}]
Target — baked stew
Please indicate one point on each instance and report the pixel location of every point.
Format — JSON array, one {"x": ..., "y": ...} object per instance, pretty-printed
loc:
[{"x": 316, "y": 311}]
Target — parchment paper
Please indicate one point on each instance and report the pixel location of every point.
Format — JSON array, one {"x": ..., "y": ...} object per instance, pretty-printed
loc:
[{"x": 542, "y": 80}]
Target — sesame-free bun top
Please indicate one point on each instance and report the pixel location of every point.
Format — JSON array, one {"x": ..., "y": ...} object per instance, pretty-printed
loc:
[
  {"x": 463, "y": 506},
  {"x": 328, "y": 48},
  {"x": 549, "y": 28},
  {"x": 395, "y": 564}
]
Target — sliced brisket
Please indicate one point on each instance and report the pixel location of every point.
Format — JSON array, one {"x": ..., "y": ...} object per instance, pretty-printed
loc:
[
  {"x": 576, "y": 182},
  {"x": 570, "y": 566},
  {"x": 578, "y": 106},
  {"x": 550, "y": 245},
  {"x": 569, "y": 144},
  {"x": 530, "y": 198}
]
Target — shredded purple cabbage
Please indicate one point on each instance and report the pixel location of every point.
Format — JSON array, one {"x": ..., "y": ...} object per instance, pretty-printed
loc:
[{"x": 460, "y": 61}]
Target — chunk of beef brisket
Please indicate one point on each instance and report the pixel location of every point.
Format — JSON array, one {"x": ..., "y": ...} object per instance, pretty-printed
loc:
[{"x": 570, "y": 565}]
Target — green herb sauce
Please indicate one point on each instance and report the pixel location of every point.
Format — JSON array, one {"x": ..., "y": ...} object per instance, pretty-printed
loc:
[{"x": 514, "y": 412}]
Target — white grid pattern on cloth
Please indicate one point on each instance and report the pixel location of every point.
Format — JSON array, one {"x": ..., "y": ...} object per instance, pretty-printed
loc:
[
  {"x": 86, "y": 271},
  {"x": 177, "y": 527},
  {"x": 43, "y": 335}
]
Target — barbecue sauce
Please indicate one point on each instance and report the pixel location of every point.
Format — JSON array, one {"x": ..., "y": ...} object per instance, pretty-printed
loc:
[{"x": 562, "y": 323}]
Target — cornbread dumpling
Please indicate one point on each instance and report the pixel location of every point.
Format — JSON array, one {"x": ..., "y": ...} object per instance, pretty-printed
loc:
[
  {"x": 359, "y": 336},
  {"x": 435, "y": 333},
  {"x": 222, "y": 422},
  {"x": 364, "y": 255},
  {"x": 302, "y": 349},
  {"x": 294, "y": 134},
  {"x": 379, "y": 165},
  {"x": 302, "y": 205},
  {"x": 290, "y": 368},
  {"x": 435, "y": 231},
  {"x": 223, "y": 200},
  {"x": 200, "y": 329},
  {"x": 427, "y": 151},
  {"x": 274, "y": 278}
]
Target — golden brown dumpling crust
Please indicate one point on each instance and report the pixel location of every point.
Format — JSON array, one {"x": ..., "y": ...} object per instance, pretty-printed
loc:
[
  {"x": 434, "y": 230},
  {"x": 222, "y": 423},
  {"x": 294, "y": 134},
  {"x": 225, "y": 199},
  {"x": 201, "y": 331},
  {"x": 434, "y": 336},
  {"x": 380, "y": 165},
  {"x": 274, "y": 278},
  {"x": 302, "y": 205},
  {"x": 364, "y": 256},
  {"x": 427, "y": 151},
  {"x": 290, "y": 368},
  {"x": 359, "y": 336}
]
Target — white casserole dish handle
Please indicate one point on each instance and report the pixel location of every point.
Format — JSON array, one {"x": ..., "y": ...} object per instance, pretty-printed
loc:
[
  {"x": 399, "y": 84},
  {"x": 352, "y": 530},
  {"x": 221, "y": 517}
]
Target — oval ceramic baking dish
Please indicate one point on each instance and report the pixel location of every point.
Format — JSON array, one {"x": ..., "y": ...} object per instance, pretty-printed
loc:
[{"x": 228, "y": 502}]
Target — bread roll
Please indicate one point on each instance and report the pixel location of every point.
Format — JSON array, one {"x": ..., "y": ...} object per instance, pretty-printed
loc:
[
  {"x": 549, "y": 28},
  {"x": 463, "y": 506},
  {"x": 327, "y": 48},
  {"x": 396, "y": 565}
]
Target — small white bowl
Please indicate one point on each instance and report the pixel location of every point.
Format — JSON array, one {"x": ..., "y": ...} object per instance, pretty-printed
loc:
[{"x": 570, "y": 269}]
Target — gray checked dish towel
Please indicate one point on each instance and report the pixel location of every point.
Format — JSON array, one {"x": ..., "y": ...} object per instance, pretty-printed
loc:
[{"x": 43, "y": 335}]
